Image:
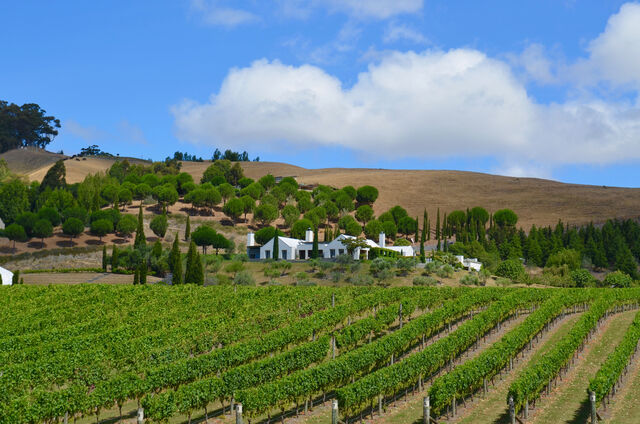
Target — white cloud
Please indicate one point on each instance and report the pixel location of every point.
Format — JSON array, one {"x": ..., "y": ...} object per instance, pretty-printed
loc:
[
  {"x": 379, "y": 9},
  {"x": 213, "y": 13},
  {"x": 615, "y": 54},
  {"x": 90, "y": 134},
  {"x": 397, "y": 32},
  {"x": 363, "y": 9},
  {"x": 435, "y": 103},
  {"x": 131, "y": 133},
  {"x": 536, "y": 64},
  {"x": 457, "y": 103}
]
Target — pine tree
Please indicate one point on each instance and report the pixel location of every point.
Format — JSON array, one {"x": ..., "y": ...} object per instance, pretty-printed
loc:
[
  {"x": 276, "y": 246},
  {"x": 140, "y": 240},
  {"x": 314, "y": 249},
  {"x": 438, "y": 227},
  {"x": 115, "y": 257},
  {"x": 187, "y": 229},
  {"x": 104, "y": 258}
]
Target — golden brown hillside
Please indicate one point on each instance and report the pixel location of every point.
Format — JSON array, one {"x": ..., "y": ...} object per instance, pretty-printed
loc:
[{"x": 536, "y": 201}]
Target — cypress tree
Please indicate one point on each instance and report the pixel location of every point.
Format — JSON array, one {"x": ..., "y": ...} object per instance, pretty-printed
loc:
[
  {"x": 428, "y": 229},
  {"x": 276, "y": 246},
  {"x": 140, "y": 240},
  {"x": 445, "y": 228},
  {"x": 336, "y": 234},
  {"x": 143, "y": 272},
  {"x": 417, "y": 229},
  {"x": 177, "y": 270},
  {"x": 136, "y": 277},
  {"x": 187, "y": 229},
  {"x": 314, "y": 249},
  {"x": 438, "y": 227},
  {"x": 423, "y": 236},
  {"x": 175, "y": 252},
  {"x": 104, "y": 258},
  {"x": 326, "y": 234},
  {"x": 194, "y": 273},
  {"x": 114, "y": 258}
]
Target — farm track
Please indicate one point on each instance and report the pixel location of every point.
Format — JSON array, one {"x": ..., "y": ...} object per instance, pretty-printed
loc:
[
  {"x": 491, "y": 409},
  {"x": 568, "y": 400}
]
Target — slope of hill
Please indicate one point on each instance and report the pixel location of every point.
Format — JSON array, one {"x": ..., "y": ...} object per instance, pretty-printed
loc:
[
  {"x": 536, "y": 201},
  {"x": 30, "y": 159}
]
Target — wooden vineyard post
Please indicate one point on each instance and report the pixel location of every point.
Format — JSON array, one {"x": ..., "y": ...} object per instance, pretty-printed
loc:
[
  {"x": 526, "y": 408},
  {"x": 380, "y": 404},
  {"x": 594, "y": 412},
  {"x": 333, "y": 347},
  {"x": 426, "y": 411},
  {"x": 140, "y": 415},
  {"x": 334, "y": 411},
  {"x": 400, "y": 315},
  {"x": 484, "y": 386},
  {"x": 512, "y": 411},
  {"x": 66, "y": 418},
  {"x": 239, "y": 413},
  {"x": 333, "y": 300}
]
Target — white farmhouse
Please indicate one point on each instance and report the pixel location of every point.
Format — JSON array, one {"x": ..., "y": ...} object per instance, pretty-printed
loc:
[
  {"x": 6, "y": 276},
  {"x": 295, "y": 249},
  {"x": 1, "y": 224},
  {"x": 472, "y": 264}
]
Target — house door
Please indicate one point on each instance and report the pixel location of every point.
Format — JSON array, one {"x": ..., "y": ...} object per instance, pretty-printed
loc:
[
  {"x": 284, "y": 255},
  {"x": 303, "y": 254}
]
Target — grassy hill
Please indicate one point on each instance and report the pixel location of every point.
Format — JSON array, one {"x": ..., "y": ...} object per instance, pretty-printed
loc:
[{"x": 536, "y": 201}]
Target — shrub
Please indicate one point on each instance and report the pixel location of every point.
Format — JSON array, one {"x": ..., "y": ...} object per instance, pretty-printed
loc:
[
  {"x": 379, "y": 264},
  {"x": 582, "y": 278},
  {"x": 385, "y": 275},
  {"x": 470, "y": 280},
  {"x": 361, "y": 280},
  {"x": 402, "y": 242},
  {"x": 222, "y": 280},
  {"x": 511, "y": 268},
  {"x": 446, "y": 271},
  {"x": 424, "y": 281},
  {"x": 405, "y": 265},
  {"x": 244, "y": 278},
  {"x": 159, "y": 225},
  {"x": 503, "y": 282},
  {"x": 616, "y": 279},
  {"x": 336, "y": 276}
]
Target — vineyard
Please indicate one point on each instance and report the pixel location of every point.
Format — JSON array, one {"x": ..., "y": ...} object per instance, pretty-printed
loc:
[{"x": 159, "y": 354}]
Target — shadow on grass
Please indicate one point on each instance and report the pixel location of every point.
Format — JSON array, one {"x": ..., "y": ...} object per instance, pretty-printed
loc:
[{"x": 583, "y": 414}]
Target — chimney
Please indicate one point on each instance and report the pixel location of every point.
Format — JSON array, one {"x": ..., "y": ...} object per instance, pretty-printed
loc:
[
  {"x": 251, "y": 239},
  {"x": 382, "y": 240},
  {"x": 308, "y": 236}
]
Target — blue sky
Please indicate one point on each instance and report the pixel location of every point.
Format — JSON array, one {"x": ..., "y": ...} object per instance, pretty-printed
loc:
[{"x": 545, "y": 88}]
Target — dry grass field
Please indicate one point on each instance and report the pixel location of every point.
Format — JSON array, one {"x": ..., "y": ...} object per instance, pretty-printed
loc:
[{"x": 536, "y": 201}]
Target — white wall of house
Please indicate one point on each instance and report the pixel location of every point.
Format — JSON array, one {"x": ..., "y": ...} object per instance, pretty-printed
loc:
[{"x": 6, "y": 276}]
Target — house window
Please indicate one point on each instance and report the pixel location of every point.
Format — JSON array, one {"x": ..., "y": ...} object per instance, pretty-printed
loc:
[
  {"x": 341, "y": 252},
  {"x": 267, "y": 254},
  {"x": 303, "y": 253},
  {"x": 284, "y": 255},
  {"x": 332, "y": 253}
]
